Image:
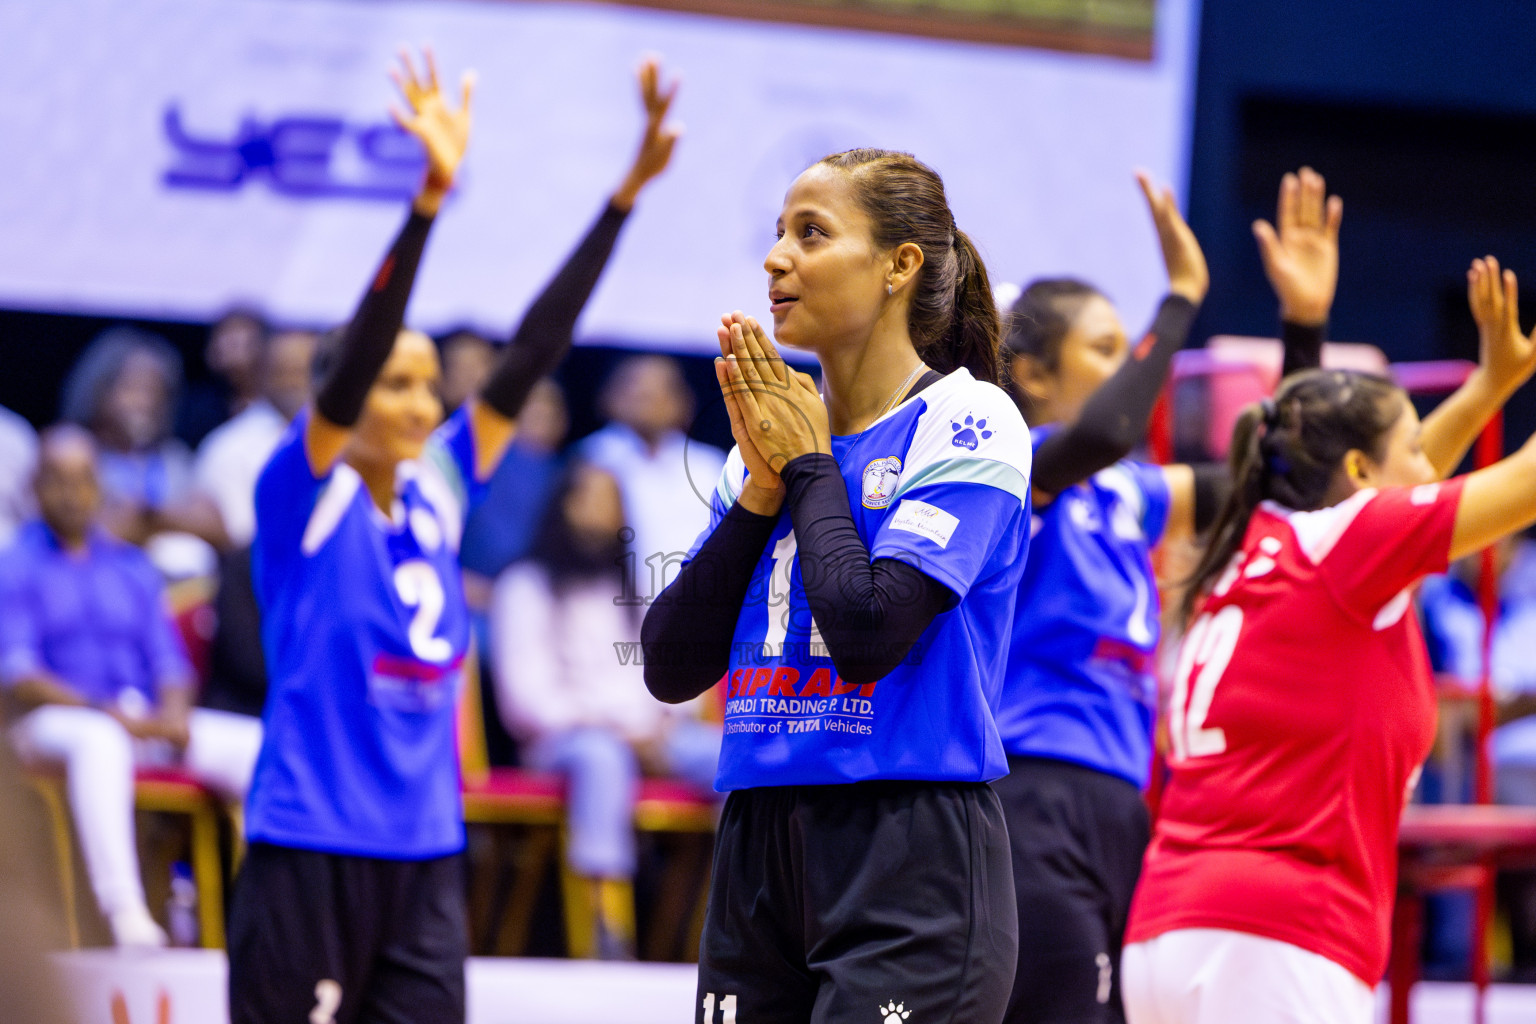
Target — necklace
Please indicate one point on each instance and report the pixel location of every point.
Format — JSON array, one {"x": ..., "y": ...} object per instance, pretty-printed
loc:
[{"x": 889, "y": 403}]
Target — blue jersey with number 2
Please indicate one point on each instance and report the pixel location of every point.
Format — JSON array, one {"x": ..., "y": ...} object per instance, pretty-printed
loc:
[
  {"x": 1080, "y": 684},
  {"x": 365, "y": 629},
  {"x": 942, "y": 483}
]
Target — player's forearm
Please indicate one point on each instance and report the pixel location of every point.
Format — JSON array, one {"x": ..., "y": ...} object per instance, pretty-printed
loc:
[
  {"x": 1114, "y": 419},
  {"x": 1496, "y": 502},
  {"x": 40, "y": 688},
  {"x": 549, "y": 326},
  {"x": 688, "y": 630},
  {"x": 1450, "y": 430},
  {"x": 369, "y": 336},
  {"x": 869, "y": 615},
  {"x": 1301, "y": 345}
]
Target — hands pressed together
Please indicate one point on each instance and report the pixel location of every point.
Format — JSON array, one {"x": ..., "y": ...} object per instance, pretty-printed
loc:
[{"x": 776, "y": 413}]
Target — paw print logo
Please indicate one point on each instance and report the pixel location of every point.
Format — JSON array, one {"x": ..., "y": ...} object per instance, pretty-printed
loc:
[
  {"x": 893, "y": 1012},
  {"x": 969, "y": 433}
]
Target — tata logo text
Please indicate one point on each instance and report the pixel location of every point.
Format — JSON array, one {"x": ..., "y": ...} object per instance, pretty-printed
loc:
[{"x": 300, "y": 155}]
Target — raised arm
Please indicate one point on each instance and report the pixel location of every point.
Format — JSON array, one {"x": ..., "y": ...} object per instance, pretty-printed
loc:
[
  {"x": 1300, "y": 252},
  {"x": 547, "y": 330},
  {"x": 1496, "y": 502},
  {"x": 369, "y": 336},
  {"x": 1506, "y": 358},
  {"x": 1114, "y": 419}
]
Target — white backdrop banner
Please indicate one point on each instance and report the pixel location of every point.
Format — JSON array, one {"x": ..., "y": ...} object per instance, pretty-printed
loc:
[{"x": 178, "y": 156}]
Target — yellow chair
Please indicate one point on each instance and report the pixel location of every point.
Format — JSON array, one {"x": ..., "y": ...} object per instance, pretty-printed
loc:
[
  {"x": 159, "y": 790},
  {"x": 513, "y": 796}
]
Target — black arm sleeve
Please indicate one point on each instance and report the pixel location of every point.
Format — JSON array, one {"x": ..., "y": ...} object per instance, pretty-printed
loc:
[
  {"x": 545, "y": 334},
  {"x": 1114, "y": 419},
  {"x": 1213, "y": 482},
  {"x": 687, "y": 633},
  {"x": 869, "y": 615},
  {"x": 370, "y": 336},
  {"x": 1303, "y": 346}
]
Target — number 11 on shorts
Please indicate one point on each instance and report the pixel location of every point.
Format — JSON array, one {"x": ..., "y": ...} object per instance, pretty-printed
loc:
[{"x": 727, "y": 1009}]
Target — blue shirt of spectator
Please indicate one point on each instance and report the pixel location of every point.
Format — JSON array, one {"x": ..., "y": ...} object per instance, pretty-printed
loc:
[{"x": 95, "y": 617}]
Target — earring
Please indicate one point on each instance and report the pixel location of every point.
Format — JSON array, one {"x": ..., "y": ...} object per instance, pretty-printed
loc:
[{"x": 888, "y": 290}]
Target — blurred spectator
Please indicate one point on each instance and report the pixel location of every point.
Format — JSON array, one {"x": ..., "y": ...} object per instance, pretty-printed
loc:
[
  {"x": 233, "y": 355},
  {"x": 232, "y": 456},
  {"x": 89, "y": 656},
  {"x": 665, "y": 476},
  {"x": 18, "y": 455},
  {"x": 467, "y": 361},
  {"x": 124, "y": 388},
  {"x": 569, "y": 686},
  {"x": 237, "y": 669},
  {"x": 501, "y": 527},
  {"x": 1453, "y": 627}
]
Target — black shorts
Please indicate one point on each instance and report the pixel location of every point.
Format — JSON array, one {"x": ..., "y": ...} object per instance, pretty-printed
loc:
[
  {"x": 1078, "y": 837},
  {"x": 830, "y": 903},
  {"x": 370, "y": 941}
]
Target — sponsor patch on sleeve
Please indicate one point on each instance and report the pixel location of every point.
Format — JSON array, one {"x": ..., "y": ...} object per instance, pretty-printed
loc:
[{"x": 925, "y": 520}]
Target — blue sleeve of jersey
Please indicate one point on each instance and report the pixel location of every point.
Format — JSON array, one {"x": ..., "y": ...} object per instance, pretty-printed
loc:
[
  {"x": 1159, "y": 500},
  {"x": 286, "y": 492},
  {"x": 950, "y": 529},
  {"x": 452, "y": 450}
]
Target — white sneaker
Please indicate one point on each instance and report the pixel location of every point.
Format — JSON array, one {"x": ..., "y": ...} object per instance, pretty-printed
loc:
[{"x": 133, "y": 928}]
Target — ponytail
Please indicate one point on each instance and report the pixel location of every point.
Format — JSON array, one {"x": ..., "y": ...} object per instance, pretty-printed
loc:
[
  {"x": 975, "y": 330},
  {"x": 1246, "y": 464},
  {"x": 953, "y": 319},
  {"x": 1290, "y": 449}
]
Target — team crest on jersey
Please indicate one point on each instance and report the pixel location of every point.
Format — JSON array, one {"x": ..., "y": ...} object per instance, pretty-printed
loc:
[
  {"x": 969, "y": 432},
  {"x": 880, "y": 478},
  {"x": 893, "y": 1012}
]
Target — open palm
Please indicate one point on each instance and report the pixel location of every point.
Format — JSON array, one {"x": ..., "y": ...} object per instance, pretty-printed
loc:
[
  {"x": 1301, "y": 250},
  {"x": 443, "y": 131},
  {"x": 1504, "y": 351}
]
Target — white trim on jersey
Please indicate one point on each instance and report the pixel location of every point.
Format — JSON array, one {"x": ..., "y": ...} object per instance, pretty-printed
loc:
[
  {"x": 960, "y": 406},
  {"x": 1317, "y": 532},
  {"x": 330, "y": 507},
  {"x": 440, "y": 493}
]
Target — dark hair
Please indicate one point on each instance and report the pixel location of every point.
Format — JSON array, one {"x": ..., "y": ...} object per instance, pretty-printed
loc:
[
  {"x": 98, "y": 367},
  {"x": 953, "y": 319},
  {"x": 555, "y": 546},
  {"x": 1289, "y": 450},
  {"x": 1042, "y": 316}
]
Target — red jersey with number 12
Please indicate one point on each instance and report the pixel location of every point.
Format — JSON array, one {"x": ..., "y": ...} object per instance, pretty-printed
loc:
[{"x": 1303, "y": 706}]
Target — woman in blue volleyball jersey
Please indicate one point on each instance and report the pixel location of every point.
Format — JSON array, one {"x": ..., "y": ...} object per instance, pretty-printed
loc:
[
  {"x": 350, "y": 903},
  {"x": 1080, "y": 697},
  {"x": 854, "y": 590}
]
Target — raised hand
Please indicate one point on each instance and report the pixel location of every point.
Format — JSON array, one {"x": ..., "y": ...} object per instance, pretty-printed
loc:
[
  {"x": 658, "y": 139},
  {"x": 443, "y": 131},
  {"x": 1301, "y": 250},
  {"x": 1504, "y": 353},
  {"x": 1188, "y": 274}
]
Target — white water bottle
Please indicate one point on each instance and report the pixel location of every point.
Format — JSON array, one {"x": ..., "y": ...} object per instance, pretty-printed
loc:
[{"x": 181, "y": 906}]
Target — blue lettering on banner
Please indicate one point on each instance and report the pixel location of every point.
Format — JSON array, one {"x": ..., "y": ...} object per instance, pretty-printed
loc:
[{"x": 308, "y": 156}]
